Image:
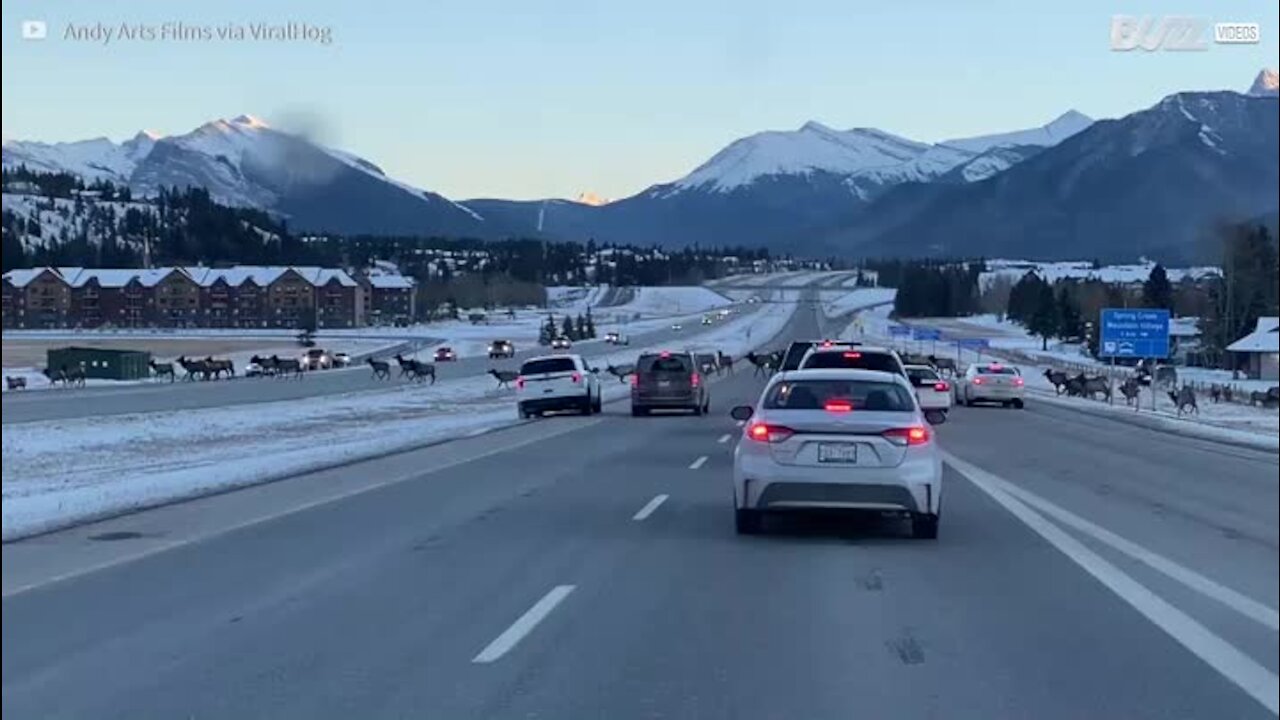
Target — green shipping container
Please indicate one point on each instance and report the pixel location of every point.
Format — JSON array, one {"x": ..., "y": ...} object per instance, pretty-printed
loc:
[{"x": 103, "y": 363}]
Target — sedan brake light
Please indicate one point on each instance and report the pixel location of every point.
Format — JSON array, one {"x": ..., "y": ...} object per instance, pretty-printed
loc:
[
  {"x": 764, "y": 432},
  {"x": 903, "y": 437},
  {"x": 941, "y": 386},
  {"x": 977, "y": 381},
  {"x": 853, "y": 355},
  {"x": 838, "y": 406},
  {"x": 1018, "y": 381},
  {"x": 576, "y": 377}
]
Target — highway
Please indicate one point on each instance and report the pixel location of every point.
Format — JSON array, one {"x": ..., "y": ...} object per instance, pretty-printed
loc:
[
  {"x": 104, "y": 401},
  {"x": 588, "y": 568}
]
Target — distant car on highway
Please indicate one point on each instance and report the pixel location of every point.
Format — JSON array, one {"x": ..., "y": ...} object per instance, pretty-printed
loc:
[
  {"x": 837, "y": 439},
  {"x": 852, "y": 356},
  {"x": 341, "y": 360},
  {"x": 799, "y": 348},
  {"x": 677, "y": 327},
  {"x": 932, "y": 391},
  {"x": 557, "y": 382},
  {"x": 991, "y": 382},
  {"x": 617, "y": 338},
  {"x": 561, "y": 343},
  {"x": 668, "y": 381},
  {"x": 708, "y": 320},
  {"x": 501, "y": 349},
  {"x": 445, "y": 354},
  {"x": 611, "y": 337},
  {"x": 316, "y": 359}
]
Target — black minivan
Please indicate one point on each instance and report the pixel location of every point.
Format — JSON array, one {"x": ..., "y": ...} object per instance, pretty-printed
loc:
[{"x": 668, "y": 381}]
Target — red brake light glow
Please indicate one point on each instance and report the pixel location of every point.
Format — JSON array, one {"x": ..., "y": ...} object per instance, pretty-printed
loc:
[
  {"x": 635, "y": 380},
  {"x": 907, "y": 436},
  {"x": 826, "y": 343},
  {"x": 977, "y": 381},
  {"x": 763, "y": 432},
  {"x": 853, "y": 355},
  {"x": 1018, "y": 381},
  {"x": 520, "y": 383},
  {"x": 576, "y": 377},
  {"x": 695, "y": 380},
  {"x": 665, "y": 354},
  {"x": 838, "y": 406},
  {"x": 941, "y": 387}
]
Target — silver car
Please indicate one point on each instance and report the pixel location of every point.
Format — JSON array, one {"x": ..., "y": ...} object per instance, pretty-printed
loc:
[
  {"x": 993, "y": 383},
  {"x": 838, "y": 439}
]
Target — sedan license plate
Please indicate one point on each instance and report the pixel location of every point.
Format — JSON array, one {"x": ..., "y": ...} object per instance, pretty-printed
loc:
[{"x": 838, "y": 453}]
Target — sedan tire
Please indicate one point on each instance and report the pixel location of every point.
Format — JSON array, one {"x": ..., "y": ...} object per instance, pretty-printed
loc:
[
  {"x": 748, "y": 522},
  {"x": 924, "y": 526}
]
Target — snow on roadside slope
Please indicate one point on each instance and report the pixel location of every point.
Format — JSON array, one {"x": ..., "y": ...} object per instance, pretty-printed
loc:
[
  {"x": 856, "y": 299},
  {"x": 64, "y": 472},
  {"x": 674, "y": 301}
]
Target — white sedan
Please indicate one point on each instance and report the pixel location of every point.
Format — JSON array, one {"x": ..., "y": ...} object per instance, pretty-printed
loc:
[
  {"x": 932, "y": 391},
  {"x": 838, "y": 439},
  {"x": 991, "y": 382}
]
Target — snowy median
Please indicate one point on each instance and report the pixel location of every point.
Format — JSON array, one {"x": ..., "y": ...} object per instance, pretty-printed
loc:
[{"x": 66, "y": 472}]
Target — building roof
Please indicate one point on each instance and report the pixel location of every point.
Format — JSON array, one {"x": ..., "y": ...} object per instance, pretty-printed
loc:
[
  {"x": 1265, "y": 338},
  {"x": 391, "y": 282},
  {"x": 262, "y": 275}
]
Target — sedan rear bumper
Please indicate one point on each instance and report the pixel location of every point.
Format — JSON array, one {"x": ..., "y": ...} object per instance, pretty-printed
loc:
[{"x": 913, "y": 486}]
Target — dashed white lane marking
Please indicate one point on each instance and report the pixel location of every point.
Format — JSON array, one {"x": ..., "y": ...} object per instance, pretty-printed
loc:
[
  {"x": 698, "y": 463},
  {"x": 724, "y": 438},
  {"x": 1239, "y": 602},
  {"x": 649, "y": 507},
  {"x": 1257, "y": 681},
  {"x": 512, "y": 636}
]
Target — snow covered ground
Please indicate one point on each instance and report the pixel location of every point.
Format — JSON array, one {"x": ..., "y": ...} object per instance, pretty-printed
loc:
[
  {"x": 1083, "y": 269},
  {"x": 673, "y": 301},
  {"x": 1223, "y": 421},
  {"x": 843, "y": 303},
  {"x": 59, "y": 473},
  {"x": 575, "y": 297}
]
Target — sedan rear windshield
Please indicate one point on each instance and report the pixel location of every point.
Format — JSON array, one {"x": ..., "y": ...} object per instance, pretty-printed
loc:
[
  {"x": 1001, "y": 370},
  {"x": 859, "y": 394},
  {"x": 853, "y": 360},
  {"x": 549, "y": 365},
  {"x": 670, "y": 364},
  {"x": 921, "y": 374}
]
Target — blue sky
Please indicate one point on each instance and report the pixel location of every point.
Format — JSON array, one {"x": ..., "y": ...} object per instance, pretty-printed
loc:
[{"x": 538, "y": 98}]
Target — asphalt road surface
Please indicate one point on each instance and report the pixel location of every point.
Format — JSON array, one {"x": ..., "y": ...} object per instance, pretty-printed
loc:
[
  {"x": 588, "y": 568},
  {"x": 104, "y": 401}
]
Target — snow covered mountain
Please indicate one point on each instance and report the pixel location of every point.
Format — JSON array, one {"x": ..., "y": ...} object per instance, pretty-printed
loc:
[
  {"x": 1267, "y": 84},
  {"x": 245, "y": 162},
  {"x": 1152, "y": 183}
]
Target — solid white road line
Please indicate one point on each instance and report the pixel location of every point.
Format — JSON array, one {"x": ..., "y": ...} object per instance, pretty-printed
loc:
[
  {"x": 510, "y": 637},
  {"x": 1257, "y": 681},
  {"x": 698, "y": 463},
  {"x": 648, "y": 509},
  {"x": 1242, "y": 604},
  {"x": 724, "y": 438}
]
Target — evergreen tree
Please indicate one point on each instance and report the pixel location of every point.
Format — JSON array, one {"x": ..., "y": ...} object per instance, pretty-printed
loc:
[
  {"x": 567, "y": 329},
  {"x": 547, "y": 332},
  {"x": 591, "y": 326},
  {"x": 1070, "y": 323},
  {"x": 580, "y": 328},
  {"x": 1157, "y": 291},
  {"x": 1044, "y": 319}
]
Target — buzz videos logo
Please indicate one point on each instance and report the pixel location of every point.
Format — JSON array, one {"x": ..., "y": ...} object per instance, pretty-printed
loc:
[
  {"x": 34, "y": 30},
  {"x": 1178, "y": 33}
]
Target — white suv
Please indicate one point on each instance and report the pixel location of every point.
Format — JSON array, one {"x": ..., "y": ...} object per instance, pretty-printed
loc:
[{"x": 557, "y": 382}]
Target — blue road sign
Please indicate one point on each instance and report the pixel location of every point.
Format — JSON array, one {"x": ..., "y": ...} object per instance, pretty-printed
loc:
[
  {"x": 973, "y": 343},
  {"x": 926, "y": 333},
  {"x": 899, "y": 330},
  {"x": 1134, "y": 333}
]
